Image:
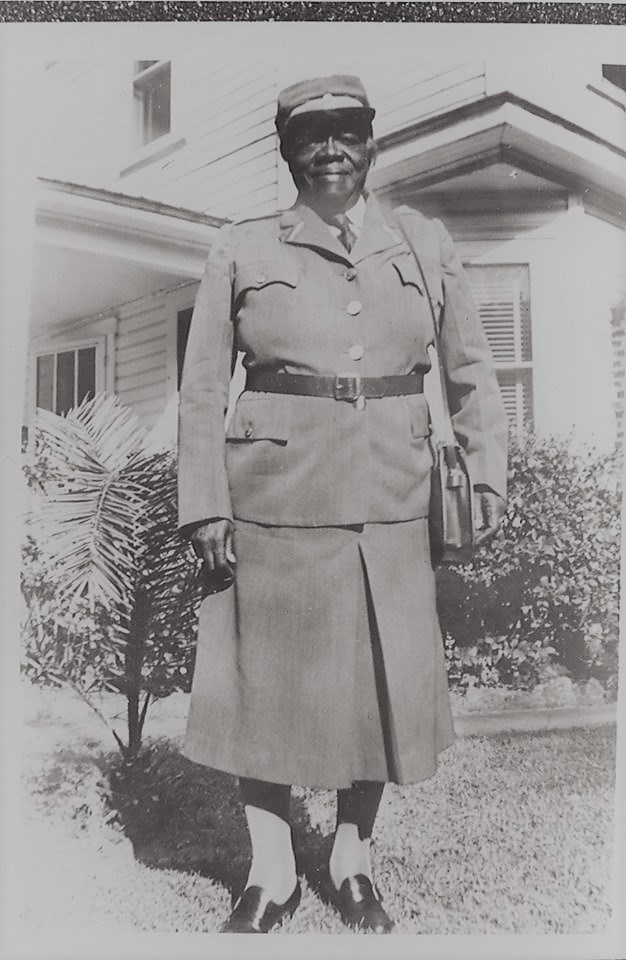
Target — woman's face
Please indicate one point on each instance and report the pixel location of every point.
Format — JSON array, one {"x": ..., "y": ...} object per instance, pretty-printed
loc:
[{"x": 329, "y": 154}]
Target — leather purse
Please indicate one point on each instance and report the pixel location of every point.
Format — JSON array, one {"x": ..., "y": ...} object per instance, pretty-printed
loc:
[{"x": 451, "y": 512}]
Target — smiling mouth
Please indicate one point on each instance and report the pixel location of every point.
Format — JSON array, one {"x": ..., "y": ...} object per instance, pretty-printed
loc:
[{"x": 331, "y": 173}]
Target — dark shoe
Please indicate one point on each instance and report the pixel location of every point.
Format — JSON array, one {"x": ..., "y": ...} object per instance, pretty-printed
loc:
[
  {"x": 254, "y": 912},
  {"x": 360, "y": 905}
]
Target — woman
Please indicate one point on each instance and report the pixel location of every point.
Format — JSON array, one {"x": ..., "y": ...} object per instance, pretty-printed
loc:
[{"x": 321, "y": 661}]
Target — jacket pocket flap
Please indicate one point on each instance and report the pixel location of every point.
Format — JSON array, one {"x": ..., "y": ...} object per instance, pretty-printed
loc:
[
  {"x": 259, "y": 417},
  {"x": 256, "y": 274},
  {"x": 409, "y": 274}
]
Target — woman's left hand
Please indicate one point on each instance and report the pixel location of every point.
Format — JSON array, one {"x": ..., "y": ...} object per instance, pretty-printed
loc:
[{"x": 489, "y": 508}]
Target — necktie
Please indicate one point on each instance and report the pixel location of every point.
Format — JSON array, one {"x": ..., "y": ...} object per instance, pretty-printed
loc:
[{"x": 346, "y": 233}]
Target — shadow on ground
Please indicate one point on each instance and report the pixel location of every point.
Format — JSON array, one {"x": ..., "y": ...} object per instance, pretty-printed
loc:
[
  {"x": 182, "y": 816},
  {"x": 513, "y": 835}
]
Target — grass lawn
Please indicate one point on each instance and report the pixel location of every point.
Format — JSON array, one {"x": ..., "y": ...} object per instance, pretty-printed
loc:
[{"x": 513, "y": 835}]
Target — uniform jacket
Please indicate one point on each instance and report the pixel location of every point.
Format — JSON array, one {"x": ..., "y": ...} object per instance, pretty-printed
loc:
[{"x": 283, "y": 290}]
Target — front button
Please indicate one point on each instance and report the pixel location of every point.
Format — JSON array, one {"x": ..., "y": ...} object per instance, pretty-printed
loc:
[
  {"x": 354, "y": 307},
  {"x": 248, "y": 432},
  {"x": 261, "y": 278},
  {"x": 356, "y": 351},
  {"x": 350, "y": 273}
]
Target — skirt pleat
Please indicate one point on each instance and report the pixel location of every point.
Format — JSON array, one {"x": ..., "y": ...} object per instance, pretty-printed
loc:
[{"x": 324, "y": 663}]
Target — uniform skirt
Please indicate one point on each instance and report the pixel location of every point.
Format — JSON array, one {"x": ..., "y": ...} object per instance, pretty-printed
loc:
[{"x": 324, "y": 663}]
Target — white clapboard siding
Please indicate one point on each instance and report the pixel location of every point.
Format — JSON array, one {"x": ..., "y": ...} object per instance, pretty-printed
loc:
[
  {"x": 141, "y": 351},
  {"x": 223, "y": 155},
  {"x": 225, "y": 112},
  {"x": 229, "y": 138},
  {"x": 145, "y": 332},
  {"x": 203, "y": 148},
  {"x": 430, "y": 102},
  {"x": 65, "y": 76},
  {"x": 221, "y": 76},
  {"x": 227, "y": 105},
  {"x": 415, "y": 96},
  {"x": 141, "y": 357},
  {"x": 149, "y": 409},
  {"x": 404, "y": 80},
  {"x": 260, "y": 203},
  {"x": 213, "y": 132},
  {"x": 255, "y": 164},
  {"x": 198, "y": 181},
  {"x": 147, "y": 404},
  {"x": 259, "y": 172},
  {"x": 150, "y": 375}
]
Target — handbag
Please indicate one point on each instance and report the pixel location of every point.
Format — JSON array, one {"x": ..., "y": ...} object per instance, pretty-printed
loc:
[{"x": 451, "y": 511}]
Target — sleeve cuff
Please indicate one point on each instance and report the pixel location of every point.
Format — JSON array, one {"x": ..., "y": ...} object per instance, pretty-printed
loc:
[{"x": 187, "y": 529}]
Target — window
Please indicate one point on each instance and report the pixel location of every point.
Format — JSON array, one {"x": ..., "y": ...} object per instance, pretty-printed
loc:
[
  {"x": 65, "y": 378},
  {"x": 502, "y": 294},
  {"x": 152, "y": 93}
]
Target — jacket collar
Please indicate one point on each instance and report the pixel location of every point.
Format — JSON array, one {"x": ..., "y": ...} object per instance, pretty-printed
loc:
[{"x": 301, "y": 226}]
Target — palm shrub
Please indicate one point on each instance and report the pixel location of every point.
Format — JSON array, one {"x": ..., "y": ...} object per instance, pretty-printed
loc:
[
  {"x": 109, "y": 586},
  {"x": 542, "y": 598}
]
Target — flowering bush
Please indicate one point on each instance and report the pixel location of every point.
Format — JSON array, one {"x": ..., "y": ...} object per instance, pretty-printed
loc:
[{"x": 542, "y": 598}]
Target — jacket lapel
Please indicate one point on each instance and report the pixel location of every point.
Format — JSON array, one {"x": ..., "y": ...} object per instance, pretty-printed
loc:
[
  {"x": 378, "y": 232},
  {"x": 301, "y": 226}
]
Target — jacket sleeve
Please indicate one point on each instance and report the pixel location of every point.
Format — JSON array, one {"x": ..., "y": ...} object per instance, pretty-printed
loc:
[
  {"x": 477, "y": 411},
  {"x": 202, "y": 482}
]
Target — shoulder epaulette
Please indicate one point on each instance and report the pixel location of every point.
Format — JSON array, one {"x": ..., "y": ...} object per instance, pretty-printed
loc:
[
  {"x": 405, "y": 211},
  {"x": 265, "y": 217}
]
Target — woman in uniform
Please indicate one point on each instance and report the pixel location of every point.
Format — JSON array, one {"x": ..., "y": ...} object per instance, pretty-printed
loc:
[{"x": 320, "y": 663}]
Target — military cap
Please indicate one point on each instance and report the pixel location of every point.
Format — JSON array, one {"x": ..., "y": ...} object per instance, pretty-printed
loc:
[{"x": 338, "y": 92}]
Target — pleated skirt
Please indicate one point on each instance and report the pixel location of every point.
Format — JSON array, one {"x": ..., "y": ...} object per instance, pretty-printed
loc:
[{"x": 323, "y": 664}]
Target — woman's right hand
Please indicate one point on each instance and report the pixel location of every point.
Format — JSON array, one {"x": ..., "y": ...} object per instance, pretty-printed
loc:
[{"x": 213, "y": 543}]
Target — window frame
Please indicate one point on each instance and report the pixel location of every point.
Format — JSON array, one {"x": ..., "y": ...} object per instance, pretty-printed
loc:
[
  {"x": 55, "y": 355},
  {"x": 144, "y": 80},
  {"x": 100, "y": 335},
  {"x": 141, "y": 154}
]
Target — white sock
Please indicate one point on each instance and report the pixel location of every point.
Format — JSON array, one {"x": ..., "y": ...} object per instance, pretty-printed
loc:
[
  {"x": 273, "y": 864},
  {"x": 350, "y": 855}
]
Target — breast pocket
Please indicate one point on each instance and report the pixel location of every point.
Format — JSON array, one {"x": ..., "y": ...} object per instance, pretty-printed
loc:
[
  {"x": 262, "y": 275},
  {"x": 257, "y": 456}
]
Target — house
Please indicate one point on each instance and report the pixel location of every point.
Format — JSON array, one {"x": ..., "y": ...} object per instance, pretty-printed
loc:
[{"x": 524, "y": 160}]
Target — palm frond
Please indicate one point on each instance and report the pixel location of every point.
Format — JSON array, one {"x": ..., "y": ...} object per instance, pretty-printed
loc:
[{"x": 92, "y": 516}]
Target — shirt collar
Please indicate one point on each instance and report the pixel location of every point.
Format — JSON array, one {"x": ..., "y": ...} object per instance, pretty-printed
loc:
[{"x": 356, "y": 213}]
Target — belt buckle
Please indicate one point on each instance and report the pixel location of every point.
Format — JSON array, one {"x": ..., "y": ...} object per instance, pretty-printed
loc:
[{"x": 348, "y": 387}]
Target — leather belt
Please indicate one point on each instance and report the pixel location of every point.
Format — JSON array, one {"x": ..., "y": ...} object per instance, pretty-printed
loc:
[{"x": 347, "y": 387}]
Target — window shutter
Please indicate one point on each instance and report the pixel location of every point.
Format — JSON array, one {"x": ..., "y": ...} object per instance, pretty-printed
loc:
[{"x": 502, "y": 295}]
